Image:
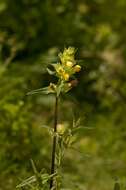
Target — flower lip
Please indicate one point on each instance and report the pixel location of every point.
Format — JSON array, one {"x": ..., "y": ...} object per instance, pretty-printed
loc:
[
  {"x": 66, "y": 76},
  {"x": 69, "y": 63}
]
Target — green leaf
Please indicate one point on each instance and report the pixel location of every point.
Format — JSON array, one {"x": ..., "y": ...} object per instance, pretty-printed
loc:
[
  {"x": 50, "y": 71},
  {"x": 28, "y": 181},
  {"x": 45, "y": 90},
  {"x": 37, "y": 91},
  {"x": 34, "y": 167},
  {"x": 37, "y": 174}
]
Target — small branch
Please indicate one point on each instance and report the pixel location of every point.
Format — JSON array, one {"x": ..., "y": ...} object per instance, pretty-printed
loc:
[{"x": 54, "y": 142}]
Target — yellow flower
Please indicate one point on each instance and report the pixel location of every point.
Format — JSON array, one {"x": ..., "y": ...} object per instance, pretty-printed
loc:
[
  {"x": 77, "y": 68},
  {"x": 65, "y": 76},
  {"x": 69, "y": 51},
  {"x": 67, "y": 55},
  {"x": 69, "y": 63},
  {"x": 60, "y": 70}
]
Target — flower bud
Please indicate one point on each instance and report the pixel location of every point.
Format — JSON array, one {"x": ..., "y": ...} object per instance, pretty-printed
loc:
[
  {"x": 61, "y": 128},
  {"x": 77, "y": 68},
  {"x": 69, "y": 84}
]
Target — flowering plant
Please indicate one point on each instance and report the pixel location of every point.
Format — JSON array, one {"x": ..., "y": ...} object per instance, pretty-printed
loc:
[{"x": 64, "y": 70}]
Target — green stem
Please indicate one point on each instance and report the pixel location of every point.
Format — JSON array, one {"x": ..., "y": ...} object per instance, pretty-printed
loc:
[{"x": 54, "y": 142}]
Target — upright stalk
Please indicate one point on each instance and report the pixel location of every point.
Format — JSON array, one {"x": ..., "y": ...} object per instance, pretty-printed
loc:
[{"x": 54, "y": 142}]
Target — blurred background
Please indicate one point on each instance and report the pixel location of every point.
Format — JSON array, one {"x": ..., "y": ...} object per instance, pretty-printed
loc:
[{"x": 32, "y": 32}]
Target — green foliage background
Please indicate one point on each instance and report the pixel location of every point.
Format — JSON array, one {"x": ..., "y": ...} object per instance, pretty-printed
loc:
[{"x": 32, "y": 32}]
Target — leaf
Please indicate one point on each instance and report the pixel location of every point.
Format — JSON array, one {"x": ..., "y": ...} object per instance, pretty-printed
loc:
[
  {"x": 37, "y": 91},
  {"x": 56, "y": 66},
  {"x": 28, "y": 181},
  {"x": 34, "y": 167},
  {"x": 50, "y": 71},
  {"x": 37, "y": 174},
  {"x": 76, "y": 123},
  {"x": 45, "y": 90}
]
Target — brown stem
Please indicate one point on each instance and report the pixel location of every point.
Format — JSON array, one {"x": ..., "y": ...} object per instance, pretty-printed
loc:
[{"x": 54, "y": 142}]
